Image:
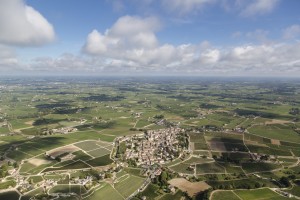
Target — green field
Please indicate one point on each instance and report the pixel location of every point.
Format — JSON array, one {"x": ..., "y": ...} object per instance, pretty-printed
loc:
[
  {"x": 98, "y": 110},
  {"x": 26, "y": 167},
  {"x": 18, "y": 155},
  {"x": 200, "y": 146},
  {"x": 35, "y": 179},
  {"x": 177, "y": 196},
  {"x": 221, "y": 195},
  {"x": 81, "y": 155},
  {"x": 99, "y": 152},
  {"x": 78, "y": 189},
  {"x": 151, "y": 192},
  {"x": 182, "y": 168},
  {"x": 87, "y": 145},
  {"x": 106, "y": 190},
  {"x": 279, "y": 132},
  {"x": 209, "y": 168},
  {"x": 129, "y": 185},
  {"x": 197, "y": 160},
  {"x": 11, "y": 195},
  {"x": 74, "y": 165},
  {"x": 259, "y": 194},
  {"x": 32, "y": 193},
  {"x": 7, "y": 184},
  {"x": 295, "y": 190},
  {"x": 197, "y": 137},
  {"x": 243, "y": 183},
  {"x": 259, "y": 167},
  {"x": 232, "y": 169},
  {"x": 100, "y": 161},
  {"x": 269, "y": 151}
]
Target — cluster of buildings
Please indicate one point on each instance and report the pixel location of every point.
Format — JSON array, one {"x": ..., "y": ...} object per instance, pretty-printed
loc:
[
  {"x": 24, "y": 185},
  {"x": 63, "y": 130},
  {"x": 262, "y": 157},
  {"x": 82, "y": 181},
  {"x": 154, "y": 146}
]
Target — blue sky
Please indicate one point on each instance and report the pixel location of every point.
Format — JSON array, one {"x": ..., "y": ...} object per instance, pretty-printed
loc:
[{"x": 150, "y": 37}]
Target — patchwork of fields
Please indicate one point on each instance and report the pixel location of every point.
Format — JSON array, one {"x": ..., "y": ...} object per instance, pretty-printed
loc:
[
  {"x": 258, "y": 194},
  {"x": 61, "y": 135}
]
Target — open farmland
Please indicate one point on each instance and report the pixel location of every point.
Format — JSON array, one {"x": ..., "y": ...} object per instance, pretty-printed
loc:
[
  {"x": 57, "y": 152},
  {"x": 11, "y": 195},
  {"x": 197, "y": 160},
  {"x": 295, "y": 190},
  {"x": 128, "y": 185},
  {"x": 257, "y": 167},
  {"x": 73, "y": 165},
  {"x": 182, "y": 168},
  {"x": 99, "y": 152},
  {"x": 78, "y": 189},
  {"x": 260, "y": 194},
  {"x": 100, "y": 161},
  {"x": 280, "y": 132},
  {"x": 105, "y": 190},
  {"x": 209, "y": 168},
  {"x": 225, "y": 142},
  {"x": 67, "y": 132},
  {"x": 197, "y": 141},
  {"x": 87, "y": 145},
  {"x": 190, "y": 188},
  {"x": 220, "y": 195}
]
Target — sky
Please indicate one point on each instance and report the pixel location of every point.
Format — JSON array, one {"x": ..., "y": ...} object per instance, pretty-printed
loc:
[{"x": 257, "y": 38}]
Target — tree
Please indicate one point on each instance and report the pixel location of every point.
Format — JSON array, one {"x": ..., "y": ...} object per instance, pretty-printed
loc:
[
  {"x": 164, "y": 178},
  {"x": 257, "y": 185},
  {"x": 294, "y": 111},
  {"x": 58, "y": 159},
  {"x": 3, "y": 170},
  {"x": 108, "y": 175},
  {"x": 158, "y": 117},
  {"x": 16, "y": 165},
  {"x": 203, "y": 195},
  {"x": 285, "y": 181}
]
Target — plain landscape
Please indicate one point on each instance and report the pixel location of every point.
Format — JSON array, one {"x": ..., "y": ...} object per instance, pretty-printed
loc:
[{"x": 153, "y": 138}]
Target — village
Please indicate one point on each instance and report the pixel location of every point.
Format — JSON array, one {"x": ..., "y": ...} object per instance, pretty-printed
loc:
[{"x": 154, "y": 146}]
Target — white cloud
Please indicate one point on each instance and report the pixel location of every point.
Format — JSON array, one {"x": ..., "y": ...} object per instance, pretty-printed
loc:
[
  {"x": 132, "y": 40},
  {"x": 128, "y": 33},
  {"x": 259, "y": 7},
  {"x": 67, "y": 63},
  {"x": 23, "y": 25},
  {"x": 292, "y": 32},
  {"x": 119, "y": 49},
  {"x": 8, "y": 58},
  {"x": 211, "y": 56},
  {"x": 267, "y": 59},
  {"x": 280, "y": 59},
  {"x": 185, "y": 6}
]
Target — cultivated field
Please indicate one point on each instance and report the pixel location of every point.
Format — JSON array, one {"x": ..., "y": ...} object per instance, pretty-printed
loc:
[
  {"x": 190, "y": 188},
  {"x": 233, "y": 129},
  {"x": 259, "y": 194},
  {"x": 128, "y": 185},
  {"x": 221, "y": 195}
]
